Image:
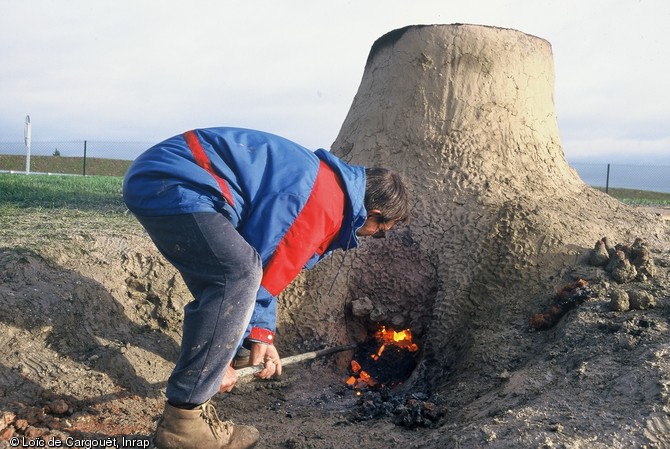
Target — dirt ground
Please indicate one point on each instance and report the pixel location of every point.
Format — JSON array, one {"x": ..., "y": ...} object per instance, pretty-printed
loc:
[{"x": 90, "y": 327}]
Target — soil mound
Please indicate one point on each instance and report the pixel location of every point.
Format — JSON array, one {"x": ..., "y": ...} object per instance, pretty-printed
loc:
[{"x": 501, "y": 223}]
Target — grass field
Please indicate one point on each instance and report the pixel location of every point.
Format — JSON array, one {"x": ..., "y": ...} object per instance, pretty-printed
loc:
[
  {"x": 65, "y": 165},
  {"x": 639, "y": 197},
  {"x": 36, "y": 211},
  {"x": 100, "y": 193}
]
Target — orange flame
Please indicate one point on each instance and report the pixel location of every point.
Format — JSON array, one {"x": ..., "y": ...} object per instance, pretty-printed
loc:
[
  {"x": 387, "y": 337},
  {"x": 402, "y": 339}
]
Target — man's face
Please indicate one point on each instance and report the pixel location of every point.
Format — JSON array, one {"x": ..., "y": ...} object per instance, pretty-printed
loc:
[{"x": 375, "y": 226}]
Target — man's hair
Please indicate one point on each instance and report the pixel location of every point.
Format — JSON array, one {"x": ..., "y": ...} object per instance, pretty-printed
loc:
[{"x": 386, "y": 190}]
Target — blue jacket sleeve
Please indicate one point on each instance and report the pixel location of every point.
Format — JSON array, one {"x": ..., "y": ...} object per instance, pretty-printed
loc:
[
  {"x": 262, "y": 325},
  {"x": 265, "y": 312}
]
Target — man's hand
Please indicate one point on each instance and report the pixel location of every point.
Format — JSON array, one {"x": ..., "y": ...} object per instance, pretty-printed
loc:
[
  {"x": 261, "y": 352},
  {"x": 229, "y": 380}
]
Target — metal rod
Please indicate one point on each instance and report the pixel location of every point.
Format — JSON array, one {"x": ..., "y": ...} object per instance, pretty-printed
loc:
[{"x": 250, "y": 370}]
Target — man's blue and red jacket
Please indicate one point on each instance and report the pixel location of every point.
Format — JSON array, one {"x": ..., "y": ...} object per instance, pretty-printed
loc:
[{"x": 291, "y": 204}]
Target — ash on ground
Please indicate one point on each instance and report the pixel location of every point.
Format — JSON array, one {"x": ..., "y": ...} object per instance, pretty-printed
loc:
[{"x": 410, "y": 411}]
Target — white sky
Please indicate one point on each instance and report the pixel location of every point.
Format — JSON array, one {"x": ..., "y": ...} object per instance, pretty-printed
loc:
[{"x": 144, "y": 70}]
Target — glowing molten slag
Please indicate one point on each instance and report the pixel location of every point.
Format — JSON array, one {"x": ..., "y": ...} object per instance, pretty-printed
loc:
[
  {"x": 402, "y": 339},
  {"x": 401, "y": 343}
]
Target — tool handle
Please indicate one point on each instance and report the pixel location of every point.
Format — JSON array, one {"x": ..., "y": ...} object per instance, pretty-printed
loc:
[{"x": 250, "y": 370}]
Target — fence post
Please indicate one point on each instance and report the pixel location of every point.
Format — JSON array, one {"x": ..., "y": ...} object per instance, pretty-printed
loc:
[
  {"x": 27, "y": 142},
  {"x": 607, "y": 181},
  {"x": 84, "y": 169}
]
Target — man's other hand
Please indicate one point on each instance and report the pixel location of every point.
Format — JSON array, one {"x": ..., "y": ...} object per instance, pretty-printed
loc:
[{"x": 229, "y": 380}]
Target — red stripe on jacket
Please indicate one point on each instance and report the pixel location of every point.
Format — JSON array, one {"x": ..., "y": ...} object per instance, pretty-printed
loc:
[
  {"x": 203, "y": 161},
  {"x": 316, "y": 226}
]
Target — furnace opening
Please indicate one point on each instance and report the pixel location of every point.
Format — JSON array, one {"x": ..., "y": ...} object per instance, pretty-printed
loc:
[{"x": 384, "y": 360}]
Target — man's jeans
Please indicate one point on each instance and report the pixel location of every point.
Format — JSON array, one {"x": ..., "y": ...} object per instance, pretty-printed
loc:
[{"x": 223, "y": 272}]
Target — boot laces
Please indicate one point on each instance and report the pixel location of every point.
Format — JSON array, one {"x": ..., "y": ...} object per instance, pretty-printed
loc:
[{"x": 212, "y": 419}]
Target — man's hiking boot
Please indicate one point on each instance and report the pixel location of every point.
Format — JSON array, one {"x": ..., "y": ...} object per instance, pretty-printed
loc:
[{"x": 201, "y": 428}]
